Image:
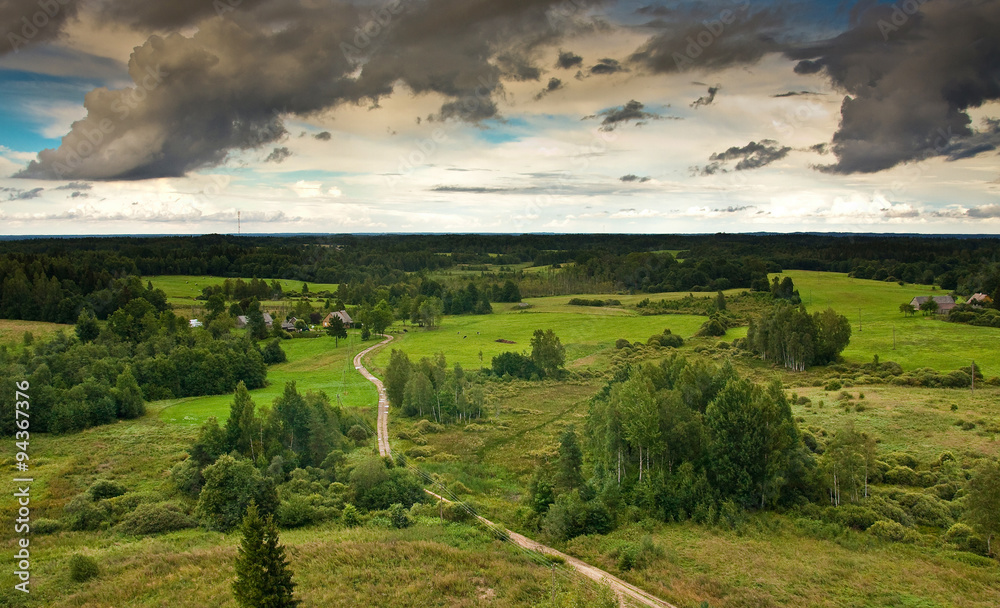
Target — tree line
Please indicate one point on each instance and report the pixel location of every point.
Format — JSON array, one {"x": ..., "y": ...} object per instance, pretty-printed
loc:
[{"x": 97, "y": 375}]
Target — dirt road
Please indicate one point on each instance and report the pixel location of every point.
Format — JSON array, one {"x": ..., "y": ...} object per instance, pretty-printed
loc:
[
  {"x": 625, "y": 591},
  {"x": 382, "y": 429}
]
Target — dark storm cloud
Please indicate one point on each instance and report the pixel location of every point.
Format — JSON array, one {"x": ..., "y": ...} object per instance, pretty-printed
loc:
[
  {"x": 227, "y": 86},
  {"x": 794, "y": 94},
  {"x": 278, "y": 155},
  {"x": 984, "y": 212},
  {"x": 706, "y": 100},
  {"x": 159, "y": 16},
  {"x": 712, "y": 36},
  {"x": 607, "y": 66},
  {"x": 27, "y": 22},
  {"x": 632, "y": 111},
  {"x": 554, "y": 85},
  {"x": 568, "y": 60},
  {"x": 469, "y": 189},
  {"x": 634, "y": 178},
  {"x": 323, "y": 136},
  {"x": 754, "y": 155},
  {"x": 911, "y": 71},
  {"x": 16, "y": 194},
  {"x": 75, "y": 186}
]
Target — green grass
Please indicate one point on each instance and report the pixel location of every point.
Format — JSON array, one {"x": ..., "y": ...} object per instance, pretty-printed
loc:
[
  {"x": 313, "y": 363},
  {"x": 914, "y": 420},
  {"x": 182, "y": 290},
  {"x": 429, "y": 564},
  {"x": 920, "y": 341},
  {"x": 12, "y": 331},
  {"x": 774, "y": 563},
  {"x": 583, "y": 330}
]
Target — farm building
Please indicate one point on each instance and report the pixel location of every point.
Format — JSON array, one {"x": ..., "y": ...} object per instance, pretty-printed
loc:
[
  {"x": 344, "y": 317},
  {"x": 289, "y": 324},
  {"x": 945, "y": 303},
  {"x": 241, "y": 321},
  {"x": 979, "y": 299}
]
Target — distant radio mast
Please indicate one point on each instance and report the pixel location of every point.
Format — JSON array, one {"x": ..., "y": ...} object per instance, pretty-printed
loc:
[{"x": 239, "y": 228}]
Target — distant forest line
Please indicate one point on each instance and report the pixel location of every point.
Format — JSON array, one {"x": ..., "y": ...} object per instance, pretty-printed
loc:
[{"x": 53, "y": 279}]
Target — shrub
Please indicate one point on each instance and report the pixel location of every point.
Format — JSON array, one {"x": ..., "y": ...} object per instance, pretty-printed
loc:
[
  {"x": 927, "y": 510},
  {"x": 631, "y": 556},
  {"x": 671, "y": 340},
  {"x": 358, "y": 434},
  {"x": 230, "y": 486},
  {"x": 84, "y": 514},
  {"x": 399, "y": 516},
  {"x": 296, "y": 511},
  {"x": 105, "y": 488},
  {"x": 901, "y": 476},
  {"x": 273, "y": 353},
  {"x": 46, "y": 526},
  {"x": 855, "y": 516},
  {"x": 833, "y": 385},
  {"x": 426, "y": 426},
  {"x": 888, "y": 530},
  {"x": 82, "y": 568},
  {"x": 350, "y": 516},
  {"x": 621, "y": 343},
  {"x": 126, "y": 503},
  {"x": 460, "y": 488},
  {"x": 903, "y": 459},
  {"x": 965, "y": 539},
  {"x": 452, "y": 511},
  {"x": 155, "y": 519}
]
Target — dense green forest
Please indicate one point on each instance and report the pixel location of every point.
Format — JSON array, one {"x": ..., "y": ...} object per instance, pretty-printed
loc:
[{"x": 53, "y": 279}]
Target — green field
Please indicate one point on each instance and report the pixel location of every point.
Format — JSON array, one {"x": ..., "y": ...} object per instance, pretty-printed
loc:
[
  {"x": 12, "y": 332},
  {"x": 774, "y": 560},
  {"x": 313, "y": 363},
  {"x": 583, "y": 330},
  {"x": 182, "y": 290},
  {"x": 920, "y": 341}
]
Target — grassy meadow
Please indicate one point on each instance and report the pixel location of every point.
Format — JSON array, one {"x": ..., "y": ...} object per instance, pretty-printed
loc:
[
  {"x": 769, "y": 560},
  {"x": 12, "y": 331},
  {"x": 583, "y": 330},
  {"x": 182, "y": 290},
  {"x": 920, "y": 341},
  {"x": 313, "y": 364}
]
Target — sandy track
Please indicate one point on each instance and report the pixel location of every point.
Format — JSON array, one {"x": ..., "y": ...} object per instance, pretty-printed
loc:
[{"x": 383, "y": 401}]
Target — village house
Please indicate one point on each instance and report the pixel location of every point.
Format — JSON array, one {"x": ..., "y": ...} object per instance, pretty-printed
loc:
[
  {"x": 945, "y": 303},
  {"x": 241, "y": 321},
  {"x": 979, "y": 299},
  {"x": 289, "y": 324},
  {"x": 344, "y": 318}
]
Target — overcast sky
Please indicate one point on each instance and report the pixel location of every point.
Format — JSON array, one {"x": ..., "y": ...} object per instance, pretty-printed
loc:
[{"x": 129, "y": 116}]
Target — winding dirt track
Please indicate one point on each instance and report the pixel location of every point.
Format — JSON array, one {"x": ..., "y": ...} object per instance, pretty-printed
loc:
[
  {"x": 383, "y": 401},
  {"x": 625, "y": 591}
]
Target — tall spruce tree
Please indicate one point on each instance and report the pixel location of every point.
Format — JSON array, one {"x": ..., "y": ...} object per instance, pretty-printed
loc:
[{"x": 263, "y": 575}]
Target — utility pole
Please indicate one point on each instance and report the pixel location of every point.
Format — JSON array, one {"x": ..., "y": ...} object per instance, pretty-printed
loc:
[
  {"x": 239, "y": 226},
  {"x": 893, "y": 337},
  {"x": 859, "y": 320},
  {"x": 973, "y": 368}
]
